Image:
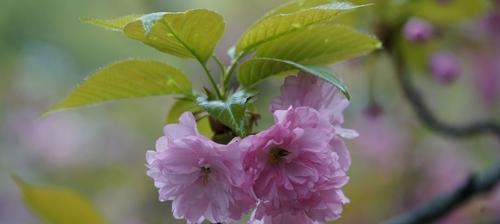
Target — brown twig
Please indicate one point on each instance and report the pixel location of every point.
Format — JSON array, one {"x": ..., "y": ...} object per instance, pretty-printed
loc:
[
  {"x": 439, "y": 206},
  {"x": 476, "y": 184},
  {"x": 426, "y": 116}
]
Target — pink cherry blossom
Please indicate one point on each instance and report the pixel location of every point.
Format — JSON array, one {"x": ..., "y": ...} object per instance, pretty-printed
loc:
[
  {"x": 310, "y": 91},
  {"x": 203, "y": 179},
  {"x": 295, "y": 166}
]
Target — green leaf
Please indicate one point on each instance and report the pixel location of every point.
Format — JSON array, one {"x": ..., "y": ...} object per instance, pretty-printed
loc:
[
  {"x": 230, "y": 112},
  {"x": 127, "y": 79},
  {"x": 446, "y": 12},
  {"x": 295, "y": 6},
  {"x": 320, "y": 71},
  {"x": 189, "y": 34},
  {"x": 184, "y": 105},
  {"x": 179, "y": 107},
  {"x": 58, "y": 205},
  {"x": 287, "y": 19},
  {"x": 204, "y": 127},
  {"x": 113, "y": 24},
  {"x": 322, "y": 44}
]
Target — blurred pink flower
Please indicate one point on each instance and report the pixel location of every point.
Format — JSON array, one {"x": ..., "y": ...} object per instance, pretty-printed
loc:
[
  {"x": 382, "y": 140},
  {"x": 310, "y": 91},
  {"x": 417, "y": 30},
  {"x": 486, "y": 73},
  {"x": 295, "y": 166},
  {"x": 204, "y": 179},
  {"x": 491, "y": 22},
  {"x": 444, "y": 67},
  {"x": 487, "y": 77},
  {"x": 443, "y": 171}
]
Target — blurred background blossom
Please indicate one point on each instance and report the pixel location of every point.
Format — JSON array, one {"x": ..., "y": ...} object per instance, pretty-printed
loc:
[{"x": 99, "y": 151}]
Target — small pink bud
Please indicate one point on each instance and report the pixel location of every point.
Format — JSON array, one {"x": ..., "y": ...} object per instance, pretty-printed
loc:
[
  {"x": 444, "y": 67},
  {"x": 417, "y": 30}
]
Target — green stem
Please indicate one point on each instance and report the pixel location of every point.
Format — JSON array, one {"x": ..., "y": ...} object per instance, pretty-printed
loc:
[
  {"x": 221, "y": 65},
  {"x": 230, "y": 69},
  {"x": 212, "y": 80}
]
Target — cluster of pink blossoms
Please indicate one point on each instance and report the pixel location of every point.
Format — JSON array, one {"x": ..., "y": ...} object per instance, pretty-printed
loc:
[{"x": 292, "y": 172}]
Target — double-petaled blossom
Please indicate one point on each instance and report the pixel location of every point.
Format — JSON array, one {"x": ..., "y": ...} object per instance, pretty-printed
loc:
[
  {"x": 305, "y": 90},
  {"x": 294, "y": 171},
  {"x": 203, "y": 179},
  {"x": 299, "y": 165},
  {"x": 296, "y": 168}
]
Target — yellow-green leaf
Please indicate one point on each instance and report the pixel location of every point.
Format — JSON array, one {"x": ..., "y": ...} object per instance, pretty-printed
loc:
[
  {"x": 204, "y": 127},
  {"x": 113, "y": 24},
  {"x": 191, "y": 34},
  {"x": 321, "y": 44},
  {"x": 58, "y": 205},
  {"x": 179, "y": 107},
  {"x": 320, "y": 71},
  {"x": 184, "y": 105},
  {"x": 127, "y": 79},
  {"x": 291, "y": 18},
  {"x": 295, "y": 6}
]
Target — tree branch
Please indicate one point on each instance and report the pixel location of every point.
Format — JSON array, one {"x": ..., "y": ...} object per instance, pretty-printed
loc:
[
  {"x": 441, "y": 205},
  {"x": 476, "y": 184},
  {"x": 428, "y": 118}
]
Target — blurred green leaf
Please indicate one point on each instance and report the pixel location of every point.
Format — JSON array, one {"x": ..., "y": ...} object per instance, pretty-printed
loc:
[
  {"x": 113, "y": 24},
  {"x": 58, "y": 205},
  {"x": 290, "y": 18},
  {"x": 189, "y": 34},
  {"x": 230, "y": 112},
  {"x": 127, "y": 79},
  {"x": 445, "y": 12},
  {"x": 322, "y": 44},
  {"x": 320, "y": 71},
  {"x": 179, "y": 107},
  {"x": 204, "y": 127},
  {"x": 184, "y": 105}
]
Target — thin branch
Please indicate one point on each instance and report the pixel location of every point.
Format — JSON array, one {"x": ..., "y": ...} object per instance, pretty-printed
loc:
[
  {"x": 212, "y": 81},
  {"x": 426, "y": 116},
  {"x": 476, "y": 184},
  {"x": 439, "y": 206},
  {"x": 230, "y": 69}
]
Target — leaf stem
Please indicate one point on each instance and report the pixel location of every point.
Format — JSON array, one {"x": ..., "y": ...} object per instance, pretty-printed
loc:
[
  {"x": 221, "y": 65},
  {"x": 230, "y": 69},
  {"x": 212, "y": 80}
]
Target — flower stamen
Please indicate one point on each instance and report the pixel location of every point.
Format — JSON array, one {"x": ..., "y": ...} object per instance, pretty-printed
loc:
[
  {"x": 275, "y": 155},
  {"x": 204, "y": 174}
]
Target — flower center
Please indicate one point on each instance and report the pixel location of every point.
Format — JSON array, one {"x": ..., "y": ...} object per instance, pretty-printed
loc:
[
  {"x": 275, "y": 155},
  {"x": 205, "y": 170}
]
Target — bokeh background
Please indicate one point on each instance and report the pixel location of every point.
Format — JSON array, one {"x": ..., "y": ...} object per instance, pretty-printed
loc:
[{"x": 99, "y": 151}]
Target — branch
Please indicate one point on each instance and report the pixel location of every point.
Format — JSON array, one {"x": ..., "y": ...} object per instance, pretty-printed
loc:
[
  {"x": 429, "y": 119},
  {"x": 441, "y": 205},
  {"x": 476, "y": 184}
]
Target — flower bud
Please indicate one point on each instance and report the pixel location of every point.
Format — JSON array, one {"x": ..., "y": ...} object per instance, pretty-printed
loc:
[
  {"x": 417, "y": 30},
  {"x": 444, "y": 67}
]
